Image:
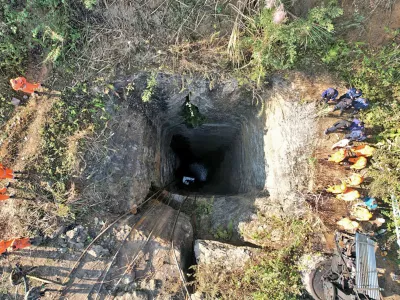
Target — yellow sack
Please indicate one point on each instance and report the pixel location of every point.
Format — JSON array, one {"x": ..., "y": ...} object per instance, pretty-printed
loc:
[
  {"x": 361, "y": 213},
  {"x": 359, "y": 162},
  {"x": 337, "y": 189},
  {"x": 349, "y": 195},
  {"x": 363, "y": 150},
  {"x": 355, "y": 179},
  {"x": 348, "y": 224},
  {"x": 338, "y": 156}
]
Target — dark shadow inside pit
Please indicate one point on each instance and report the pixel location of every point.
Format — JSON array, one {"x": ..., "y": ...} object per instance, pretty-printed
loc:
[{"x": 202, "y": 163}]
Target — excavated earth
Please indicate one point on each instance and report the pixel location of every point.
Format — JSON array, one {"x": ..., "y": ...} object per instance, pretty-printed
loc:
[{"x": 256, "y": 147}]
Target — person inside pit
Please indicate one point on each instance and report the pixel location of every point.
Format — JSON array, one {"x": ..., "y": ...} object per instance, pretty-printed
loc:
[{"x": 187, "y": 180}]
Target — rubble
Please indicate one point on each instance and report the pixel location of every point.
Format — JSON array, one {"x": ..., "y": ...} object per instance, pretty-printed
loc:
[
  {"x": 98, "y": 251},
  {"x": 74, "y": 238}
]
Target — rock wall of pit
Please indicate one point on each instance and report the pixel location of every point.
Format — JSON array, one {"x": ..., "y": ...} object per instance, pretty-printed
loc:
[{"x": 268, "y": 140}]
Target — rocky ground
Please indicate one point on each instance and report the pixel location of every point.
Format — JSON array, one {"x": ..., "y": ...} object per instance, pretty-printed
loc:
[{"x": 135, "y": 258}]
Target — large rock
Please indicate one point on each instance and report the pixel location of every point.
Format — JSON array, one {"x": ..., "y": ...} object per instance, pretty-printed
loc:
[
  {"x": 288, "y": 146},
  {"x": 218, "y": 218},
  {"x": 214, "y": 253},
  {"x": 149, "y": 247}
]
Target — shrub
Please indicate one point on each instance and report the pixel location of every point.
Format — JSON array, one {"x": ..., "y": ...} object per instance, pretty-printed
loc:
[
  {"x": 277, "y": 46},
  {"x": 151, "y": 85},
  {"x": 35, "y": 31},
  {"x": 191, "y": 114}
]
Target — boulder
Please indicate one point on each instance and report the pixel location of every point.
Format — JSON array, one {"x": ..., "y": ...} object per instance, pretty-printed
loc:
[
  {"x": 150, "y": 247},
  {"x": 212, "y": 252}
]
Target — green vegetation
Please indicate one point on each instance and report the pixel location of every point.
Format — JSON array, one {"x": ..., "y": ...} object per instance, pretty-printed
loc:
[
  {"x": 151, "y": 85},
  {"x": 204, "y": 208},
  {"x": 271, "y": 274},
  {"x": 191, "y": 114},
  {"x": 224, "y": 233},
  {"x": 77, "y": 114},
  {"x": 36, "y": 31},
  {"x": 273, "y": 45}
]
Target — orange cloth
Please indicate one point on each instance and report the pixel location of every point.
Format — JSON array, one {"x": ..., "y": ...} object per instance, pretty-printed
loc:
[
  {"x": 21, "y": 243},
  {"x": 6, "y": 173},
  {"x": 338, "y": 156},
  {"x": 2, "y": 196},
  {"x": 355, "y": 179},
  {"x": 14, "y": 244},
  {"x": 359, "y": 162},
  {"x": 363, "y": 150},
  {"x": 20, "y": 84},
  {"x": 4, "y": 245}
]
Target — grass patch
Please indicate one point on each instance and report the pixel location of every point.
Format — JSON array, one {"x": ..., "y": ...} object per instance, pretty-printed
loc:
[
  {"x": 76, "y": 115},
  {"x": 273, "y": 274},
  {"x": 35, "y": 32},
  {"x": 267, "y": 45}
]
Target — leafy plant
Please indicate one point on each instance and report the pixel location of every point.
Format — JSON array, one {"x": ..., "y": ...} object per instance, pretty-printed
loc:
[
  {"x": 149, "y": 91},
  {"x": 275, "y": 45},
  {"x": 191, "y": 114},
  {"x": 205, "y": 208},
  {"x": 224, "y": 233}
]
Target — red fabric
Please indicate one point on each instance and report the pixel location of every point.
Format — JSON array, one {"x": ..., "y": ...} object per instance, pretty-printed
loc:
[
  {"x": 20, "y": 84},
  {"x": 21, "y": 243}
]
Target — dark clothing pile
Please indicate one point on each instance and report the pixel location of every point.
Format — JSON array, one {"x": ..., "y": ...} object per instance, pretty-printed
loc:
[
  {"x": 343, "y": 104},
  {"x": 356, "y": 128},
  {"x": 329, "y": 94},
  {"x": 352, "y": 94}
]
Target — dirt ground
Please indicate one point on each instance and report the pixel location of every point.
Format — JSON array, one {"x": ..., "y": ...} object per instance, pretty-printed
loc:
[
  {"x": 21, "y": 145},
  {"x": 372, "y": 20},
  {"x": 331, "y": 210}
]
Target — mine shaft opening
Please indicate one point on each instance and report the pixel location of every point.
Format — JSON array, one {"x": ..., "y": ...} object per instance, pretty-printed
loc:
[
  {"x": 219, "y": 142},
  {"x": 215, "y": 159},
  {"x": 202, "y": 161}
]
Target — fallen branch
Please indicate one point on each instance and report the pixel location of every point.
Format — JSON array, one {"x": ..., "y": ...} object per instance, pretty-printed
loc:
[{"x": 44, "y": 280}]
